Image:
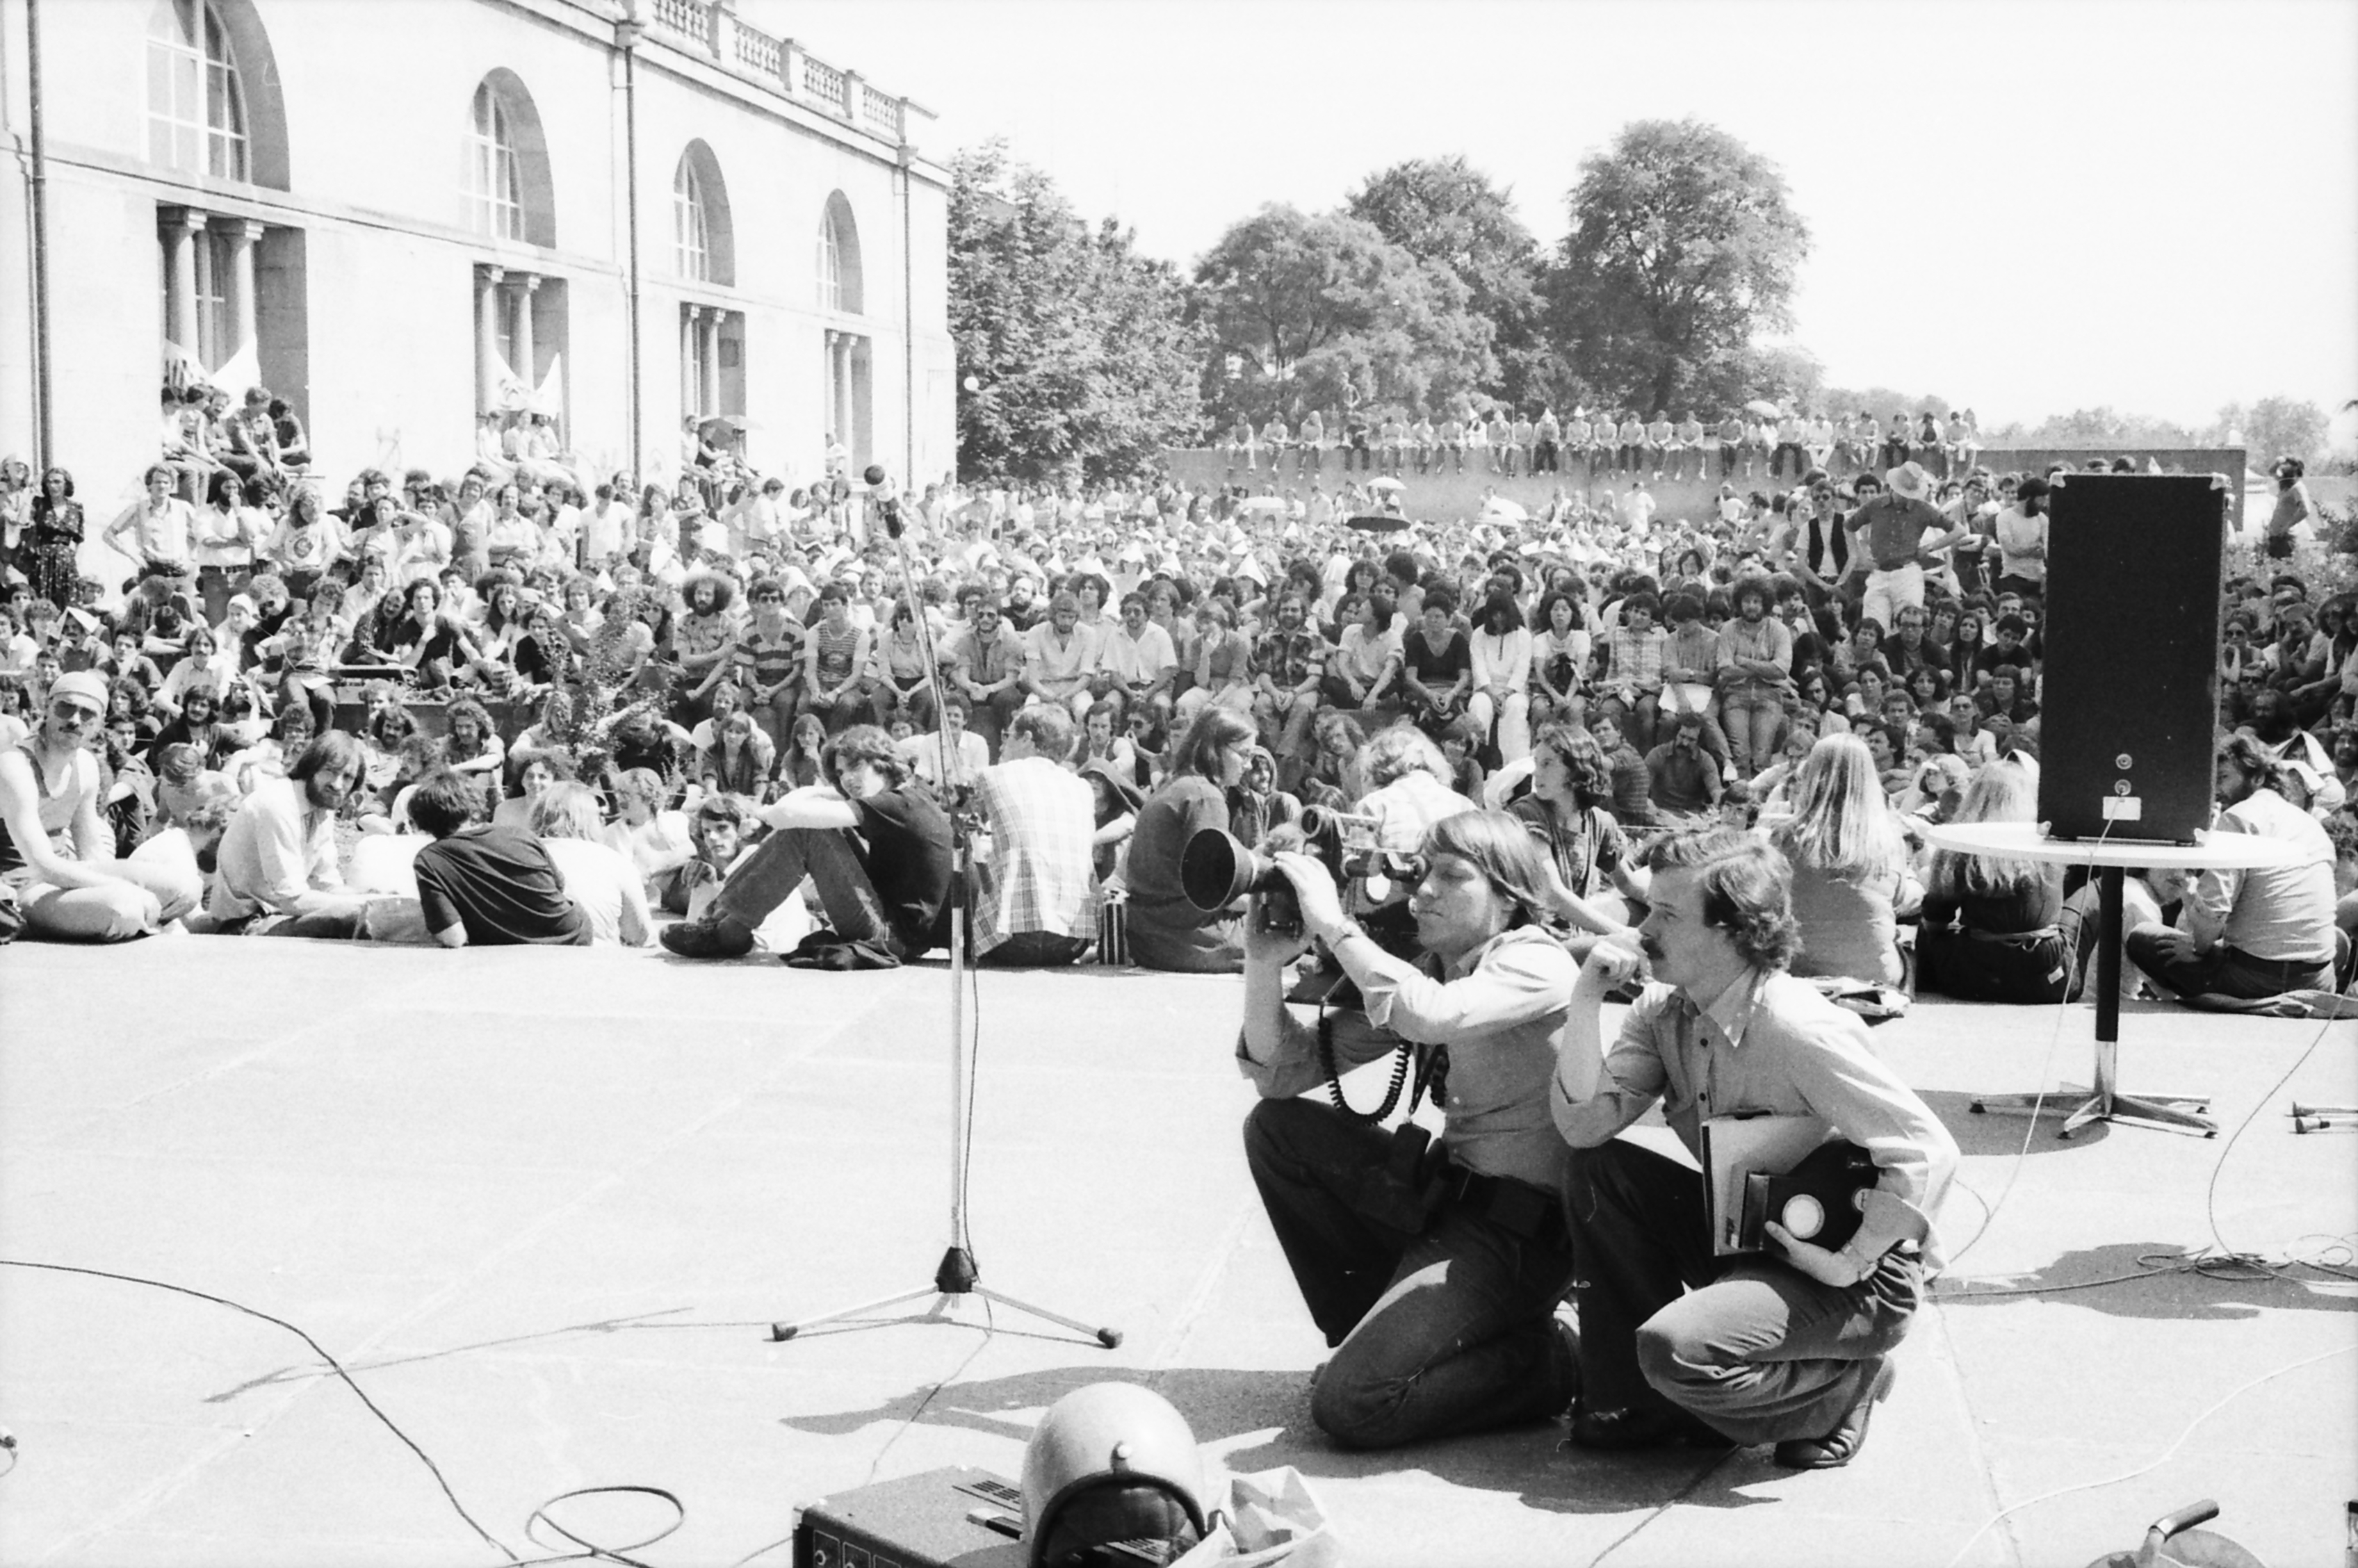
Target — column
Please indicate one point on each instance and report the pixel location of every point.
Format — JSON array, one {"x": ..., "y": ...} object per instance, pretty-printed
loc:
[
  {"x": 527, "y": 367},
  {"x": 826, "y": 381},
  {"x": 691, "y": 384},
  {"x": 709, "y": 364},
  {"x": 242, "y": 236},
  {"x": 843, "y": 431},
  {"x": 487, "y": 337},
  {"x": 180, "y": 233}
]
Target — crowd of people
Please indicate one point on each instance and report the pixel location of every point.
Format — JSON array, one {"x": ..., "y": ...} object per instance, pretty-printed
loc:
[
  {"x": 1508, "y": 767},
  {"x": 1762, "y": 438},
  {"x": 705, "y": 659}
]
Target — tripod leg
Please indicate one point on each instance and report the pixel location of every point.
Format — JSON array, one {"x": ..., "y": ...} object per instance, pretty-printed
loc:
[
  {"x": 1108, "y": 1338},
  {"x": 780, "y": 1332}
]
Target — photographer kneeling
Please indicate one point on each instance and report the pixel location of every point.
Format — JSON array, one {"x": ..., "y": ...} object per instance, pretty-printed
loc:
[{"x": 1435, "y": 1273}]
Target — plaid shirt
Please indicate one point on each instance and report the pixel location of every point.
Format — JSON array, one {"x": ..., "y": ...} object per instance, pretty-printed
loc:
[
  {"x": 1290, "y": 658},
  {"x": 1635, "y": 661},
  {"x": 1040, "y": 876}
]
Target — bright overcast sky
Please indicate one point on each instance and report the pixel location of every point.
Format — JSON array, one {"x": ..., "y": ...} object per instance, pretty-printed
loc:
[{"x": 2025, "y": 206}]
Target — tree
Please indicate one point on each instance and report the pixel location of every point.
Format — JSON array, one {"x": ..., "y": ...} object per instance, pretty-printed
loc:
[
  {"x": 1683, "y": 247},
  {"x": 1446, "y": 213},
  {"x": 1882, "y": 402},
  {"x": 1321, "y": 311},
  {"x": 2276, "y": 427},
  {"x": 1079, "y": 351}
]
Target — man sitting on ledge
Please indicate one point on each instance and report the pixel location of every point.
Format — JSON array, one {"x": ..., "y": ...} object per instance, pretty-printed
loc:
[
  {"x": 879, "y": 850},
  {"x": 1790, "y": 1349}
]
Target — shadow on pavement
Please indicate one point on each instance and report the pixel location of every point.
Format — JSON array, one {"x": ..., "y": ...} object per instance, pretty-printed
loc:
[
  {"x": 2163, "y": 1281},
  {"x": 1221, "y": 1404}
]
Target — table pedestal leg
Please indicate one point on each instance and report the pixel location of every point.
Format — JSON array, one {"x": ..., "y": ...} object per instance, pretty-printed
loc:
[{"x": 2105, "y": 1102}]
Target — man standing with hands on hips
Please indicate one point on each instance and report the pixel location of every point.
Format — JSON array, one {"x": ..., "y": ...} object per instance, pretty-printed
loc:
[{"x": 1792, "y": 1346}]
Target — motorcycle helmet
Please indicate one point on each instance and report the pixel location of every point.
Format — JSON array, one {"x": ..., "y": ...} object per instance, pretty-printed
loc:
[{"x": 1111, "y": 1463}]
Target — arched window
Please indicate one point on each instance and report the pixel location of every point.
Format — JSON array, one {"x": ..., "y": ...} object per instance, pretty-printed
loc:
[
  {"x": 508, "y": 191},
  {"x": 690, "y": 231},
  {"x": 495, "y": 184},
  {"x": 704, "y": 247},
  {"x": 196, "y": 104},
  {"x": 838, "y": 259}
]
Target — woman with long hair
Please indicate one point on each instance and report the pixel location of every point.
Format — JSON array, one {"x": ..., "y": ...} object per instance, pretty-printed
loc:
[
  {"x": 52, "y": 539},
  {"x": 1850, "y": 865},
  {"x": 1439, "y": 1302},
  {"x": 1566, "y": 813},
  {"x": 1167, "y": 931},
  {"x": 1989, "y": 931}
]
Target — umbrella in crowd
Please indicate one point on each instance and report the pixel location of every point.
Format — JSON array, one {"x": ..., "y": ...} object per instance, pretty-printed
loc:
[
  {"x": 1500, "y": 506},
  {"x": 1377, "y": 523},
  {"x": 1388, "y": 484},
  {"x": 1263, "y": 505},
  {"x": 1766, "y": 409}
]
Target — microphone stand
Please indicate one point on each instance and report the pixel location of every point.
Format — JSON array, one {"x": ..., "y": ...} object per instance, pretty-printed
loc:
[{"x": 956, "y": 1276}]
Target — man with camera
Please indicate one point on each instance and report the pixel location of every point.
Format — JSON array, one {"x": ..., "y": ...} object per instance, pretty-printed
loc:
[
  {"x": 1677, "y": 1343},
  {"x": 1434, "y": 1270}
]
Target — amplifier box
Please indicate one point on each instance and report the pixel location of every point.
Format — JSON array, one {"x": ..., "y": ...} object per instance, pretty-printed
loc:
[{"x": 957, "y": 1516}]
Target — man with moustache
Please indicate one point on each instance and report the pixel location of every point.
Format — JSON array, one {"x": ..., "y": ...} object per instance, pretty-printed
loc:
[{"x": 1790, "y": 1346}]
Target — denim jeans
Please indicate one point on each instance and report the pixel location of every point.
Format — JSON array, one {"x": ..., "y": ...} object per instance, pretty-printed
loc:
[
  {"x": 834, "y": 858},
  {"x": 1755, "y": 1348},
  {"x": 1450, "y": 1330},
  {"x": 1752, "y": 716}
]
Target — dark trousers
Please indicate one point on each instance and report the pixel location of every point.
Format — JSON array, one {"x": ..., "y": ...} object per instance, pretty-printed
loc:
[
  {"x": 1757, "y": 1349},
  {"x": 2225, "y": 970},
  {"x": 1446, "y": 1331},
  {"x": 836, "y": 862}
]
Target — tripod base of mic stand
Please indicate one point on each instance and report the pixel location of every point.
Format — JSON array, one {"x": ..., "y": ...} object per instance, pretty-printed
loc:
[
  {"x": 2180, "y": 1112},
  {"x": 954, "y": 1280}
]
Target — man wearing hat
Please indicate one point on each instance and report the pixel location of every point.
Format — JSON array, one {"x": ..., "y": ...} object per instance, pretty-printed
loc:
[
  {"x": 1889, "y": 542},
  {"x": 53, "y": 845}
]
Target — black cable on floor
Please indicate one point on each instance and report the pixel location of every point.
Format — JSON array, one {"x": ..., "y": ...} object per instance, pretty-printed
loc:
[{"x": 317, "y": 1349}]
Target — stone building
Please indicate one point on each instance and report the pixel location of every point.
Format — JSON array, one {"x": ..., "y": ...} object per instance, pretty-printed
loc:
[{"x": 398, "y": 215}]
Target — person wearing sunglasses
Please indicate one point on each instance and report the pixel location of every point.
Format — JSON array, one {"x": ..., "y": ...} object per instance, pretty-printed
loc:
[{"x": 54, "y": 846}]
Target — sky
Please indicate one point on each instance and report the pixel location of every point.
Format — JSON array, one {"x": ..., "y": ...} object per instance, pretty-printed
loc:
[{"x": 2023, "y": 206}]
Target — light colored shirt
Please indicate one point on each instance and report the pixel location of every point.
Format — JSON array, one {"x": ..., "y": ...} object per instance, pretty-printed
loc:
[
  {"x": 605, "y": 885},
  {"x": 1498, "y": 1010},
  {"x": 2279, "y": 913},
  {"x": 278, "y": 848},
  {"x": 1769, "y": 1044},
  {"x": 1040, "y": 875}
]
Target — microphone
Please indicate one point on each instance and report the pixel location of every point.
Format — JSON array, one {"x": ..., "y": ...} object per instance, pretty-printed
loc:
[{"x": 887, "y": 497}]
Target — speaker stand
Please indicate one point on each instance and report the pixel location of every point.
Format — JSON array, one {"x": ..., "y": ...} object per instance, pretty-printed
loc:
[{"x": 2104, "y": 1102}]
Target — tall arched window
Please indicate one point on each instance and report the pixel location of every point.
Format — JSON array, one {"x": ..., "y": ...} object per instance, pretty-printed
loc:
[
  {"x": 506, "y": 184},
  {"x": 196, "y": 104},
  {"x": 704, "y": 242},
  {"x": 495, "y": 169},
  {"x": 838, "y": 259},
  {"x": 691, "y": 233}
]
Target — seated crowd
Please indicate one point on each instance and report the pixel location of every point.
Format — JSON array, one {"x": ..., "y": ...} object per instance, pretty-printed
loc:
[
  {"x": 376, "y": 718},
  {"x": 1762, "y": 437}
]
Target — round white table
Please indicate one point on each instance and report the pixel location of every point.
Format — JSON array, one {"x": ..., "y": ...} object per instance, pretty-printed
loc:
[{"x": 2110, "y": 859}]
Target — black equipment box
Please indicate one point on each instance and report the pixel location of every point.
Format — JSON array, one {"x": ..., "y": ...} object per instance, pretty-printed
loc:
[{"x": 957, "y": 1516}]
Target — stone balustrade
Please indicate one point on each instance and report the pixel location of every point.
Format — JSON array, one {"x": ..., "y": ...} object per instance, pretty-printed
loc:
[{"x": 710, "y": 30}]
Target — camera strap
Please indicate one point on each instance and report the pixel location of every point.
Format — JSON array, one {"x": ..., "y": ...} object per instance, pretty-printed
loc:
[{"x": 1431, "y": 1074}]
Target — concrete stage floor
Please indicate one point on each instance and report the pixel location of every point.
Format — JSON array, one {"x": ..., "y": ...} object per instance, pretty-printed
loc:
[{"x": 544, "y": 1205}]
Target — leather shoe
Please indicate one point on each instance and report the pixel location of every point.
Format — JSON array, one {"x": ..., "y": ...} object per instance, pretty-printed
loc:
[
  {"x": 1840, "y": 1446},
  {"x": 712, "y": 938},
  {"x": 1652, "y": 1427}
]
